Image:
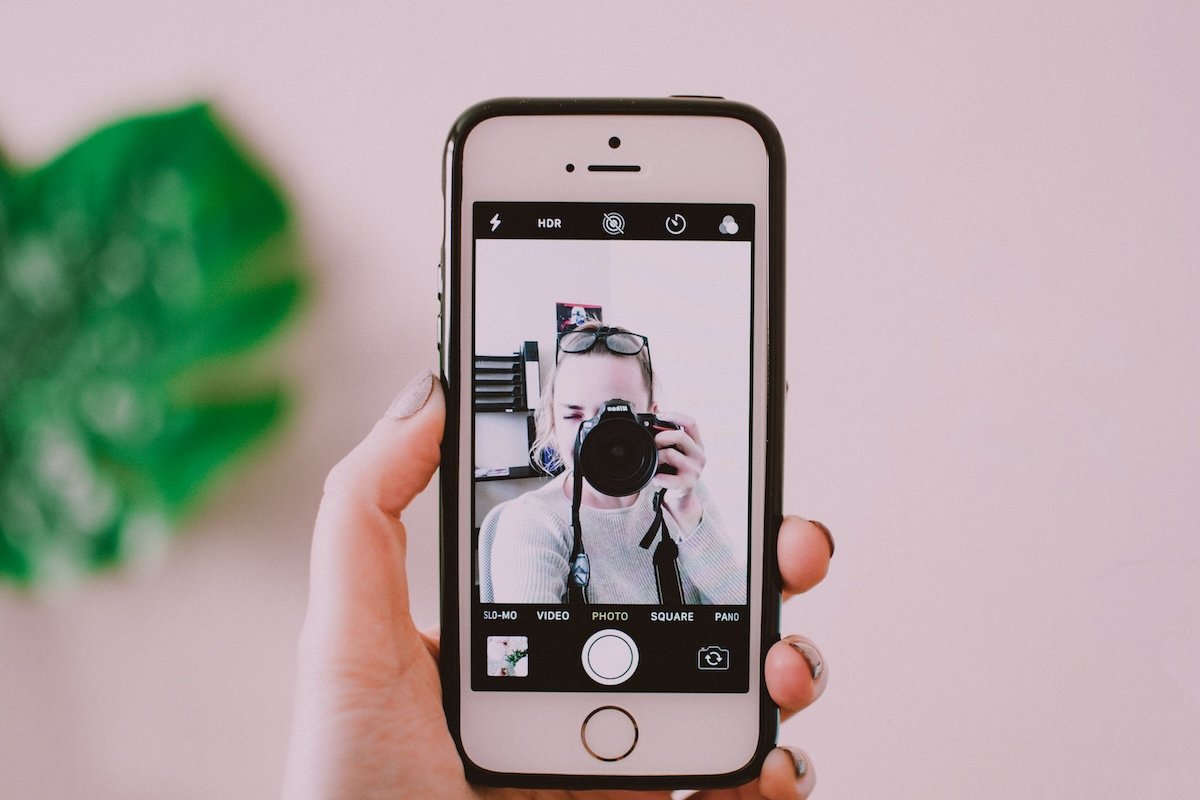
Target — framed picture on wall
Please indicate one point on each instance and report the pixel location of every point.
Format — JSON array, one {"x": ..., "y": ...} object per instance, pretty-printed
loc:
[{"x": 572, "y": 315}]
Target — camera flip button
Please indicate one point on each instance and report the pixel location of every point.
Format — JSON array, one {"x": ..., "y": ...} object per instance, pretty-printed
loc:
[{"x": 610, "y": 657}]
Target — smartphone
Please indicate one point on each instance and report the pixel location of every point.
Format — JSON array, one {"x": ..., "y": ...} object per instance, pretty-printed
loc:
[{"x": 611, "y": 340}]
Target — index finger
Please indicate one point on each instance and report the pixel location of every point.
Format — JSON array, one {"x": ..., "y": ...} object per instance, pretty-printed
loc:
[
  {"x": 804, "y": 552},
  {"x": 688, "y": 424}
]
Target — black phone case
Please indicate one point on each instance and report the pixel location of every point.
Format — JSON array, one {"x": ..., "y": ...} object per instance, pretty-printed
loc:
[{"x": 448, "y": 477}]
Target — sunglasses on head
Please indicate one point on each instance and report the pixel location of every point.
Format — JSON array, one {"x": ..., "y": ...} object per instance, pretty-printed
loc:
[{"x": 622, "y": 343}]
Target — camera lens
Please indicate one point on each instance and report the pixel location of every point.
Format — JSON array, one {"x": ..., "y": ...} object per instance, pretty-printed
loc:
[
  {"x": 614, "y": 143},
  {"x": 570, "y": 167},
  {"x": 618, "y": 457}
]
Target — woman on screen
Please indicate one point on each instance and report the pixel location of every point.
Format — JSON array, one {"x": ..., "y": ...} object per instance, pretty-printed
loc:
[{"x": 643, "y": 534}]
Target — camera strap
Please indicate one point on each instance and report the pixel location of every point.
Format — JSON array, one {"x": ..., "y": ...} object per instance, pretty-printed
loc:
[
  {"x": 580, "y": 568},
  {"x": 666, "y": 554}
]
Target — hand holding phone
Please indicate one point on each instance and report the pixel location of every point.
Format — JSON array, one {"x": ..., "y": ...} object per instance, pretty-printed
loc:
[
  {"x": 368, "y": 715},
  {"x": 517, "y": 709}
]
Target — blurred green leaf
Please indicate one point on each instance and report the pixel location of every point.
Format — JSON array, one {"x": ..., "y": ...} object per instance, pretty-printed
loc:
[{"x": 133, "y": 268}]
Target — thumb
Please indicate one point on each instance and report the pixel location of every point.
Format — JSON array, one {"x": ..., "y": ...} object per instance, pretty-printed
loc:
[
  {"x": 398, "y": 457},
  {"x": 363, "y": 670},
  {"x": 358, "y": 592}
]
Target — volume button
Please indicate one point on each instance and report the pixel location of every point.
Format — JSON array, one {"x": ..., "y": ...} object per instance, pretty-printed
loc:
[{"x": 441, "y": 304}]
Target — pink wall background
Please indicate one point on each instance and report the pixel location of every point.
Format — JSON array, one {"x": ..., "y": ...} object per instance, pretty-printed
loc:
[{"x": 994, "y": 361}]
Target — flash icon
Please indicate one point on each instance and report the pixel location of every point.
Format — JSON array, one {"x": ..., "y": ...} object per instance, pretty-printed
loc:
[{"x": 495, "y": 220}]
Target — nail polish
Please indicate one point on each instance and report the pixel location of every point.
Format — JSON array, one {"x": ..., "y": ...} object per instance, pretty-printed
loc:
[
  {"x": 798, "y": 762},
  {"x": 412, "y": 398},
  {"x": 829, "y": 536},
  {"x": 815, "y": 665}
]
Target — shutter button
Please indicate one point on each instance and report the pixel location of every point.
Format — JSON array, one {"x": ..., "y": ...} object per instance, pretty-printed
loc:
[{"x": 610, "y": 657}]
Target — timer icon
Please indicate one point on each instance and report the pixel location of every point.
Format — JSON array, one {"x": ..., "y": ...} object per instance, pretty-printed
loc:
[{"x": 676, "y": 224}]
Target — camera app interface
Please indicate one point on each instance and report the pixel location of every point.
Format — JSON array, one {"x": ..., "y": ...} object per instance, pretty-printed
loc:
[{"x": 611, "y": 436}]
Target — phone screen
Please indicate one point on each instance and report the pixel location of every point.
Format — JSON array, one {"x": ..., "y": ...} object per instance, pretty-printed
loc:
[{"x": 611, "y": 441}]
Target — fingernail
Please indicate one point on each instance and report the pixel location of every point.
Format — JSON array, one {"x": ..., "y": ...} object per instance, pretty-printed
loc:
[
  {"x": 821, "y": 527},
  {"x": 412, "y": 398},
  {"x": 815, "y": 665},
  {"x": 798, "y": 762}
]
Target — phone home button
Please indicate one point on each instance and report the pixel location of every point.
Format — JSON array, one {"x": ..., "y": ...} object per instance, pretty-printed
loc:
[
  {"x": 609, "y": 733},
  {"x": 610, "y": 657}
]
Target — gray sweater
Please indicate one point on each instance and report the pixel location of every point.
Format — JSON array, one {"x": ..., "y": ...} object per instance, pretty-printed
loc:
[{"x": 525, "y": 543}]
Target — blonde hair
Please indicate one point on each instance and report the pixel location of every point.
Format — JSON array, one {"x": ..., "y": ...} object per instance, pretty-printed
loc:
[{"x": 544, "y": 454}]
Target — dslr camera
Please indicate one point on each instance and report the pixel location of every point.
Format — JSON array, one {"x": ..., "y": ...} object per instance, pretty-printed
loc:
[{"x": 615, "y": 450}]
